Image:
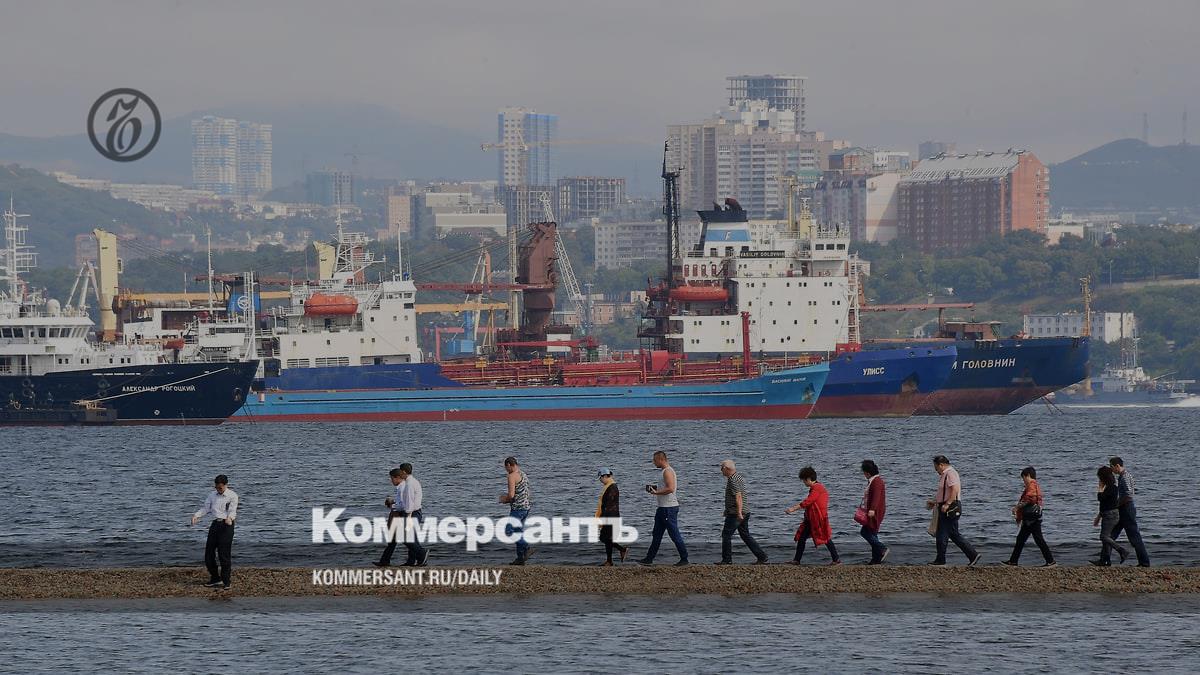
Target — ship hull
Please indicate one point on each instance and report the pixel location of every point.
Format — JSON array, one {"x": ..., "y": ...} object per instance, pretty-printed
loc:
[
  {"x": 996, "y": 377},
  {"x": 161, "y": 393},
  {"x": 784, "y": 394},
  {"x": 1119, "y": 398},
  {"x": 884, "y": 382}
]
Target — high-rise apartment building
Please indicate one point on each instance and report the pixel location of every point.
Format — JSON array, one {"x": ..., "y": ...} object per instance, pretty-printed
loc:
[
  {"x": 582, "y": 197},
  {"x": 744, "y": 152},
  {"x": 865, "y": 204},
  {"x": 781, "y": 92},
  {"x": 215, "y": 155},
  {"x": 950, "y": 202},
  {"x": 254, "y": 152},
  {"x": 526, "y": 141},
  {"x": 231, "y": 158}
]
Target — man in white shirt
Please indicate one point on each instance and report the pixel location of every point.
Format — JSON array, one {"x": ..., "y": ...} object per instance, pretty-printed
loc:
[
  {"x": 405, "y": 503},
  {"x": 222, "y": 505}
]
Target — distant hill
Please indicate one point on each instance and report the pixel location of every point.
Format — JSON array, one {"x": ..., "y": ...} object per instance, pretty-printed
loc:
[
  {"x": 315, "y": 135},
  {"x": 1128, "y": 175},
  {"x": 58, "y": 212}
]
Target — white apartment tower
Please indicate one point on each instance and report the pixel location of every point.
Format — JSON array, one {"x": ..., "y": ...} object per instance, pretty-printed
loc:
[{"x": 781, "y": 92}]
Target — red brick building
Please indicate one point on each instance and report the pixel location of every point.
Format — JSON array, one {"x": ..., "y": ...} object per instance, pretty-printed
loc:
[{"x": 951, "y": 202}]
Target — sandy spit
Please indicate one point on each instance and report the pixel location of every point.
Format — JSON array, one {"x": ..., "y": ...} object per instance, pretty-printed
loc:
[{"x": 185, "y": 582}]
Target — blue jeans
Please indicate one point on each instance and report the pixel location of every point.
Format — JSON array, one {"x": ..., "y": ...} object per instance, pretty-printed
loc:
[
  {"x": 666, "y": 519},
  {"x": 877, "y": 547},
  {"x": 521, "y": 515},
  {"x": 947, "y": 531},
  {"x": 1129, "y": 524}
]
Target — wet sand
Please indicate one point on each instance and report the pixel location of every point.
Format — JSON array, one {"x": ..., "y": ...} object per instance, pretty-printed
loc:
[{"x": 185, "y": 582}]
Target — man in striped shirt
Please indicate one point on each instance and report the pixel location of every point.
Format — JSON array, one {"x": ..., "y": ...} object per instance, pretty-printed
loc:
[
  {"x": 1128, "y": 511},
  {"x": 737, "y": 516}
]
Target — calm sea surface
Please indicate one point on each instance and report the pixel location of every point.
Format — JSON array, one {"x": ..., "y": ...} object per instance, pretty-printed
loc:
[{"x": 123, "y": 497}]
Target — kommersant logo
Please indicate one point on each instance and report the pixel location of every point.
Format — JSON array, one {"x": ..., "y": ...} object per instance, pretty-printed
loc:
[{"x": 455, "y": 530}]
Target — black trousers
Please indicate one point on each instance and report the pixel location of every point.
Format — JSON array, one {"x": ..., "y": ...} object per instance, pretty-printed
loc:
[
  {"x": 415, "y": 550},
  {"x": 606, "y": 538},
  {"x": 1029, "y": 527},
  {"x": 219, "y": 547}
]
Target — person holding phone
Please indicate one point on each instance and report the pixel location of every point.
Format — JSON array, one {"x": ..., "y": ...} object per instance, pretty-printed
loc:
[{"x": 666, "y": 516}]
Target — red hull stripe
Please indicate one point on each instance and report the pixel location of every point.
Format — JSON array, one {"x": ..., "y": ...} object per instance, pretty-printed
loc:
[
  {"x": 869, "y": 405},
  {"x": 981, "y": 400},
  {"x": 756, "y": 412}
]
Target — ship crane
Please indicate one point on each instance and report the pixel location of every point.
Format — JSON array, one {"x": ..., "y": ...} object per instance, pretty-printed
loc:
[{"x": 568, "y": 273}]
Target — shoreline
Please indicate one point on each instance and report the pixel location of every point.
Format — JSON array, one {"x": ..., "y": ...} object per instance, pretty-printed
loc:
[{"x": 26, "y": 584}]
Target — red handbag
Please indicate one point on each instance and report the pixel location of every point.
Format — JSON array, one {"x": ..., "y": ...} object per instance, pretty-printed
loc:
[{"x": 860, "y": 516}]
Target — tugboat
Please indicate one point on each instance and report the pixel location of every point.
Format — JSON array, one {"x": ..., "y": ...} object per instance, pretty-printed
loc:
[
  {"x": 52, "y": 372},
  {"x": 1127, "y": 384}
]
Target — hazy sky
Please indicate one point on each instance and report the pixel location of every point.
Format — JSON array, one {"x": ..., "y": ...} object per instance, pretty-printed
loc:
[{"x": 1055, "y": 77}]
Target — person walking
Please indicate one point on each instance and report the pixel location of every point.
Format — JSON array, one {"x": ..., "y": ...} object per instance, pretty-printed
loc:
[
  {"x": 517, "y": 499},
  {"x": 666, "y": 515},
  {"x": 1128, "y": 522},
  {"x": 737, "y": 516},
  {"x": 947, "y": 502},
  {"x": 221, "y": 504},
  {"x": 609, "y": 507},
  {"x": 1108, "y": 494},
  {"x": 1028, "y": 513},
  {"x": 816, "y": 518},
  {"x": 404, "y": 505},
  {"x": 870, "y": 511}
]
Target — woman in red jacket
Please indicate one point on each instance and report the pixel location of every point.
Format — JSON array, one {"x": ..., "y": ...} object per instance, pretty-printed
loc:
[
  {"x": 1028, "y": 513},
  {"x": 870, "y": 511},
  {"x": 816, "y": 517}
]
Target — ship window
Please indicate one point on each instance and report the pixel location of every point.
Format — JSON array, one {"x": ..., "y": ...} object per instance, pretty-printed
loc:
[
  {"x": 18, "y": 332},
  {"x": 795, "y": 322},
  {"x": 814, "y": 322},
  {"x": 789, "y": 303},
  {"x": 393, "y": 318},
  {"x": 372, "y": 319},
  {"x": 362, "y": 341},
  {"x": 372, "y": 340},
  {"x": 773, "y": 322}
]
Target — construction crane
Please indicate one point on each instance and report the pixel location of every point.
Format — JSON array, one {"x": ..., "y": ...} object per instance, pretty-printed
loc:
[{"x": 567, "y": 272}]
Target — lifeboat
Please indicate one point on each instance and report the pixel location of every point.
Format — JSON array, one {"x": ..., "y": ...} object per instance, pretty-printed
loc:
[
  {"x": 699, "y": 294},
  {"x": 175, "y": 343},
  {"x": 325, "y": 304}
]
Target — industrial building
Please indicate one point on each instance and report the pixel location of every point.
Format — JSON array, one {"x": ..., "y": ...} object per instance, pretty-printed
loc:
[
  {"x": 437, "y": 214},
  {"x": 1107, "y": 327},
  {"x": 951, "y": 202}
]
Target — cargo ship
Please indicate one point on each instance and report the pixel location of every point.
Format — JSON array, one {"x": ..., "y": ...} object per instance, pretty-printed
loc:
[
  {"x": 995, "y": 375},
  {"x": 52, "y": 372},
  {"x": 800, "y": 284},
  {"x": 345, "y": 349}
]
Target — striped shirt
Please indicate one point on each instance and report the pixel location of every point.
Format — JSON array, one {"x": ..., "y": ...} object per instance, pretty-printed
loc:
[
  {"x": 734, "y": 486},
  {"x": 1125, "y": 485}
]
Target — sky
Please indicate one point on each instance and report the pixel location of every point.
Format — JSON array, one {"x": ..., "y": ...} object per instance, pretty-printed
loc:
[{"x": 1056, "y": 77}]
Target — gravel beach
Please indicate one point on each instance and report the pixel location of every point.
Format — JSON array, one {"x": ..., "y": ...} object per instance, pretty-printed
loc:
[{"x": 183, "y": 582}]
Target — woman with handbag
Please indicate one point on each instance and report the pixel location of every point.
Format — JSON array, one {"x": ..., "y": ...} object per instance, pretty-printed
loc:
[
  {"x": 816, "y": 517},
  {"x": 869, "y": 513},
  {"x": 1028, "y": 512}
]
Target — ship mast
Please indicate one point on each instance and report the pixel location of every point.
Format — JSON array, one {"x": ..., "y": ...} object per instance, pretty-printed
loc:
[
  {"x": 17, "y": 256},
  {"x": 671, "y": 212}
]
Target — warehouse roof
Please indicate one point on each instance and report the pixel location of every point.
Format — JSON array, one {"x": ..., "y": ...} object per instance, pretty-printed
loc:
[{"x": 967, "y": 166}]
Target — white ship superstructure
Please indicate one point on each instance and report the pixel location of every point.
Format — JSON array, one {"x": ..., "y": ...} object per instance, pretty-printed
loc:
[{"x": 796, "y": 281}]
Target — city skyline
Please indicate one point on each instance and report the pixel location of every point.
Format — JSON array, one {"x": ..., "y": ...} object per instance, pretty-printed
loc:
[{"x": 924, "y": 70}]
